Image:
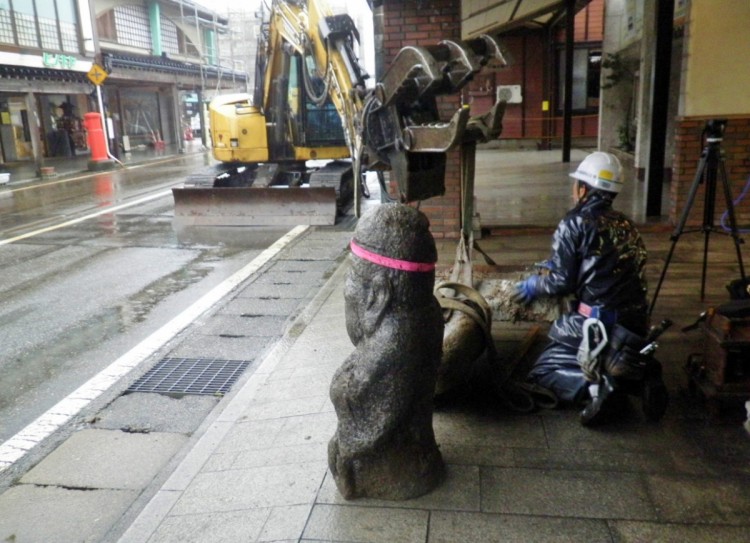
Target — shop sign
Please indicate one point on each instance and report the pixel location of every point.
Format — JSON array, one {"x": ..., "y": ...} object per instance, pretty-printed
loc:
[{"x": 53, "y": 60}]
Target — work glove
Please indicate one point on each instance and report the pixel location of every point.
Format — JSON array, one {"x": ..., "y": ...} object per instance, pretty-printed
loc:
[
  {"x": 526, "y": 290},
  {"x": 544, "y": 265}
]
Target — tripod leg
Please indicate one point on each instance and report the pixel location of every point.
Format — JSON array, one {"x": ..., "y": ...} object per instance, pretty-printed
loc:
[
  {"x": 681, "y": 225},
  {"x": 675, "y": 237},
  {"x": 706, "y": 233},
  {"x": 732, "y": 219}
]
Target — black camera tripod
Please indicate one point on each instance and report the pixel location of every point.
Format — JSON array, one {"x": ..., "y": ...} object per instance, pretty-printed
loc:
[{"x": 710, "y": 165}]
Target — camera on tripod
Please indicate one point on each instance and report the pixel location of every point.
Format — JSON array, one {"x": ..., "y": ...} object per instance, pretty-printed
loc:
[
  {"x": 711, "y": 169},
  {"x": 714, "y": 130}
]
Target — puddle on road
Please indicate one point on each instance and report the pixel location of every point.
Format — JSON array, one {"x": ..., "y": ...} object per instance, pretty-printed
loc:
[{"x": 238, "y": 237}]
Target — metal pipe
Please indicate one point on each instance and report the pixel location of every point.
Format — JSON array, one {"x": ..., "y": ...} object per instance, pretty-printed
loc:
[{"x": 104, "y": 124}]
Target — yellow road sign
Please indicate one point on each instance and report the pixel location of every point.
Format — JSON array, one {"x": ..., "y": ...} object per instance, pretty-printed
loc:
[{"x": 96, "y": 74}]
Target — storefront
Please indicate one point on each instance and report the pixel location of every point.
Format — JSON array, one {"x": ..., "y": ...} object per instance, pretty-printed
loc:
[
  {"x": 42, "y": 103},
  {"x": 158, "y": 99}
]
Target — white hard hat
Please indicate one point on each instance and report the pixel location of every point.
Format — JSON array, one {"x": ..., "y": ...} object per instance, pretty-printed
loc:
[{"x": 600, "y": 171}]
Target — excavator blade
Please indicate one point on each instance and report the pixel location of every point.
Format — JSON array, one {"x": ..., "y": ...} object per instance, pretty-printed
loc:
[{"x": 250, "y": 206}]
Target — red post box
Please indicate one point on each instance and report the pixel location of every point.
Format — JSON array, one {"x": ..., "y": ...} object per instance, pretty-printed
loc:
[{"x": 95, "y": 135}]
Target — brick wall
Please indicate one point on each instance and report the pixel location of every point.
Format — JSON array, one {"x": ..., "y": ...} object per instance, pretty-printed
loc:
[
  {"x": 427, "y": 22},
  {"x": 688, "y": 149}
]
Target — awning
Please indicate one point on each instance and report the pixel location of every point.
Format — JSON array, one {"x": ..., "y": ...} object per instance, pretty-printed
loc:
[{"x": 498, "y": 16}]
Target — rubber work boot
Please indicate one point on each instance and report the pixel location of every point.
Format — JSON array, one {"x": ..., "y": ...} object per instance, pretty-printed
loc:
[
  {"x": 598, "y": 409},
  {"x": 654, "y": 396}
]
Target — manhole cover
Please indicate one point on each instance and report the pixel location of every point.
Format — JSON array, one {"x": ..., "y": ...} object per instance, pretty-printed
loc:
[{"x": 190, "y": 376}]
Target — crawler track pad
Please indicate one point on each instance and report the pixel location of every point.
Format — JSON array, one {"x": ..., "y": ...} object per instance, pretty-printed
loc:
[{"x": 254, "y": 206}]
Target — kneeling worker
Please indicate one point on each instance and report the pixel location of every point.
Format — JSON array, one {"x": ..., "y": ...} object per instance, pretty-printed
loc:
[{"x": 598, "y": 256}]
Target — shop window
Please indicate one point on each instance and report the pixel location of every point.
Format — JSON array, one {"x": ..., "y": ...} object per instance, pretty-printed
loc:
[
  {"x": 45, "y": 24},
  {"x": 140, "y": 116},
  {"x": 66, "y": 13},
  {"x": 169, "y": 41},
  {"x": 132, "y": 26},
  {"x": 587, "y": 64},
  {"x": 6, "y": 23},
  {"x": 26, "y": 29},
  {"x": 48, "y": 34}
]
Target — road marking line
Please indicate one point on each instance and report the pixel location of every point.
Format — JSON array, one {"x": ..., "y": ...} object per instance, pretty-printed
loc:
[
  {"x": 71, "y": 222},
  {"x": 28, "y": 438}
]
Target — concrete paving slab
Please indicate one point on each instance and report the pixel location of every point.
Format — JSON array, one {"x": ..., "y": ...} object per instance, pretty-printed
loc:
[
  {"x": 565, "y": 432},
  {"x": 156, "y": 413},
  {"x": 321, "y": 370},
  {"x": 318, "y": 427},
  {"x": 285, "y": 408},
  {"x": 106, "y": 459},
  {"x": 452, "y": 527},
  {"x": 323, "y": 245},
  {"x": 251, "y": 435},
  {"x": 327, "y": 353},
  {"x": 225, "y": 348},
  {"x": 459, "y": 492},
  {"x": 251, "y": 488},
  {"x": 285, "y": 523},
  {"x": 316, "y": 379},
  {"x": 222, "y": 527},
  {"x": 594, "y": 460},
  {"x": 477, "y": 455},
  {"x": 563, "y": 493},
  {"x": 366, "y": 524},
  {"x": 292, "y": 389},
  {"x": 260, "y": 306},
  {"x": 474, "y": 429},
  {"x": 44, "y": 514},
  {"x": 701, "y": 500},
  {"x": 637, "y": 532},
  {"x": 302, "y": 270},
  {"x": 724, "y": 444},
  {"x": 251, "y": 326},
  {"x": 272, "y": 456},
  {"x": 271, "y": 289}
]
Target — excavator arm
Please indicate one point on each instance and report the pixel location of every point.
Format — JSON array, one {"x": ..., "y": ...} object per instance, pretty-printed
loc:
[{"x": 396, "y": 126}]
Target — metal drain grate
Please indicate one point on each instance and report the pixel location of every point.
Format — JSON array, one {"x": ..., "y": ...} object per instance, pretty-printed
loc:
[{"x": 190, "y": 376}]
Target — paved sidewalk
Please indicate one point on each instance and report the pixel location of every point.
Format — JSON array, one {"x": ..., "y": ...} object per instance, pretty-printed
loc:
[{"x": 259, "y": 473}]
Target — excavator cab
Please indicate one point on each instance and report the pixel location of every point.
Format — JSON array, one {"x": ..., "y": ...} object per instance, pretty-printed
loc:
[{"x": 311, "y": 126}]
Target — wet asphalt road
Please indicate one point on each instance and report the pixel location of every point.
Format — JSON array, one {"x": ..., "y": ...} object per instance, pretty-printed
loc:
[{"x": 74, "y": 296}]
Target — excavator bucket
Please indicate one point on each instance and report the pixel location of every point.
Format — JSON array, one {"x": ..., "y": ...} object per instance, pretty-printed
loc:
[
  {"x": 242, "y": 206},
  {"x": 402, "y": 126}
]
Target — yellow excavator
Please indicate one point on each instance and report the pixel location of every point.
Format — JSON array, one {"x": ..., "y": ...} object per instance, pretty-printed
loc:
[{"x": 295, "y": 152}]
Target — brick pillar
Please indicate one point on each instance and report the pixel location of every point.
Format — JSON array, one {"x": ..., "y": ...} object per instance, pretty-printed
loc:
[
  {"x": 688, "y": 148},
  {"x": 427, "y": 23}
]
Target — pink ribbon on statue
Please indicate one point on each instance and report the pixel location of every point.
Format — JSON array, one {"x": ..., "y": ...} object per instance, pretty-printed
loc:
[{"x": 394, "y": 263}]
